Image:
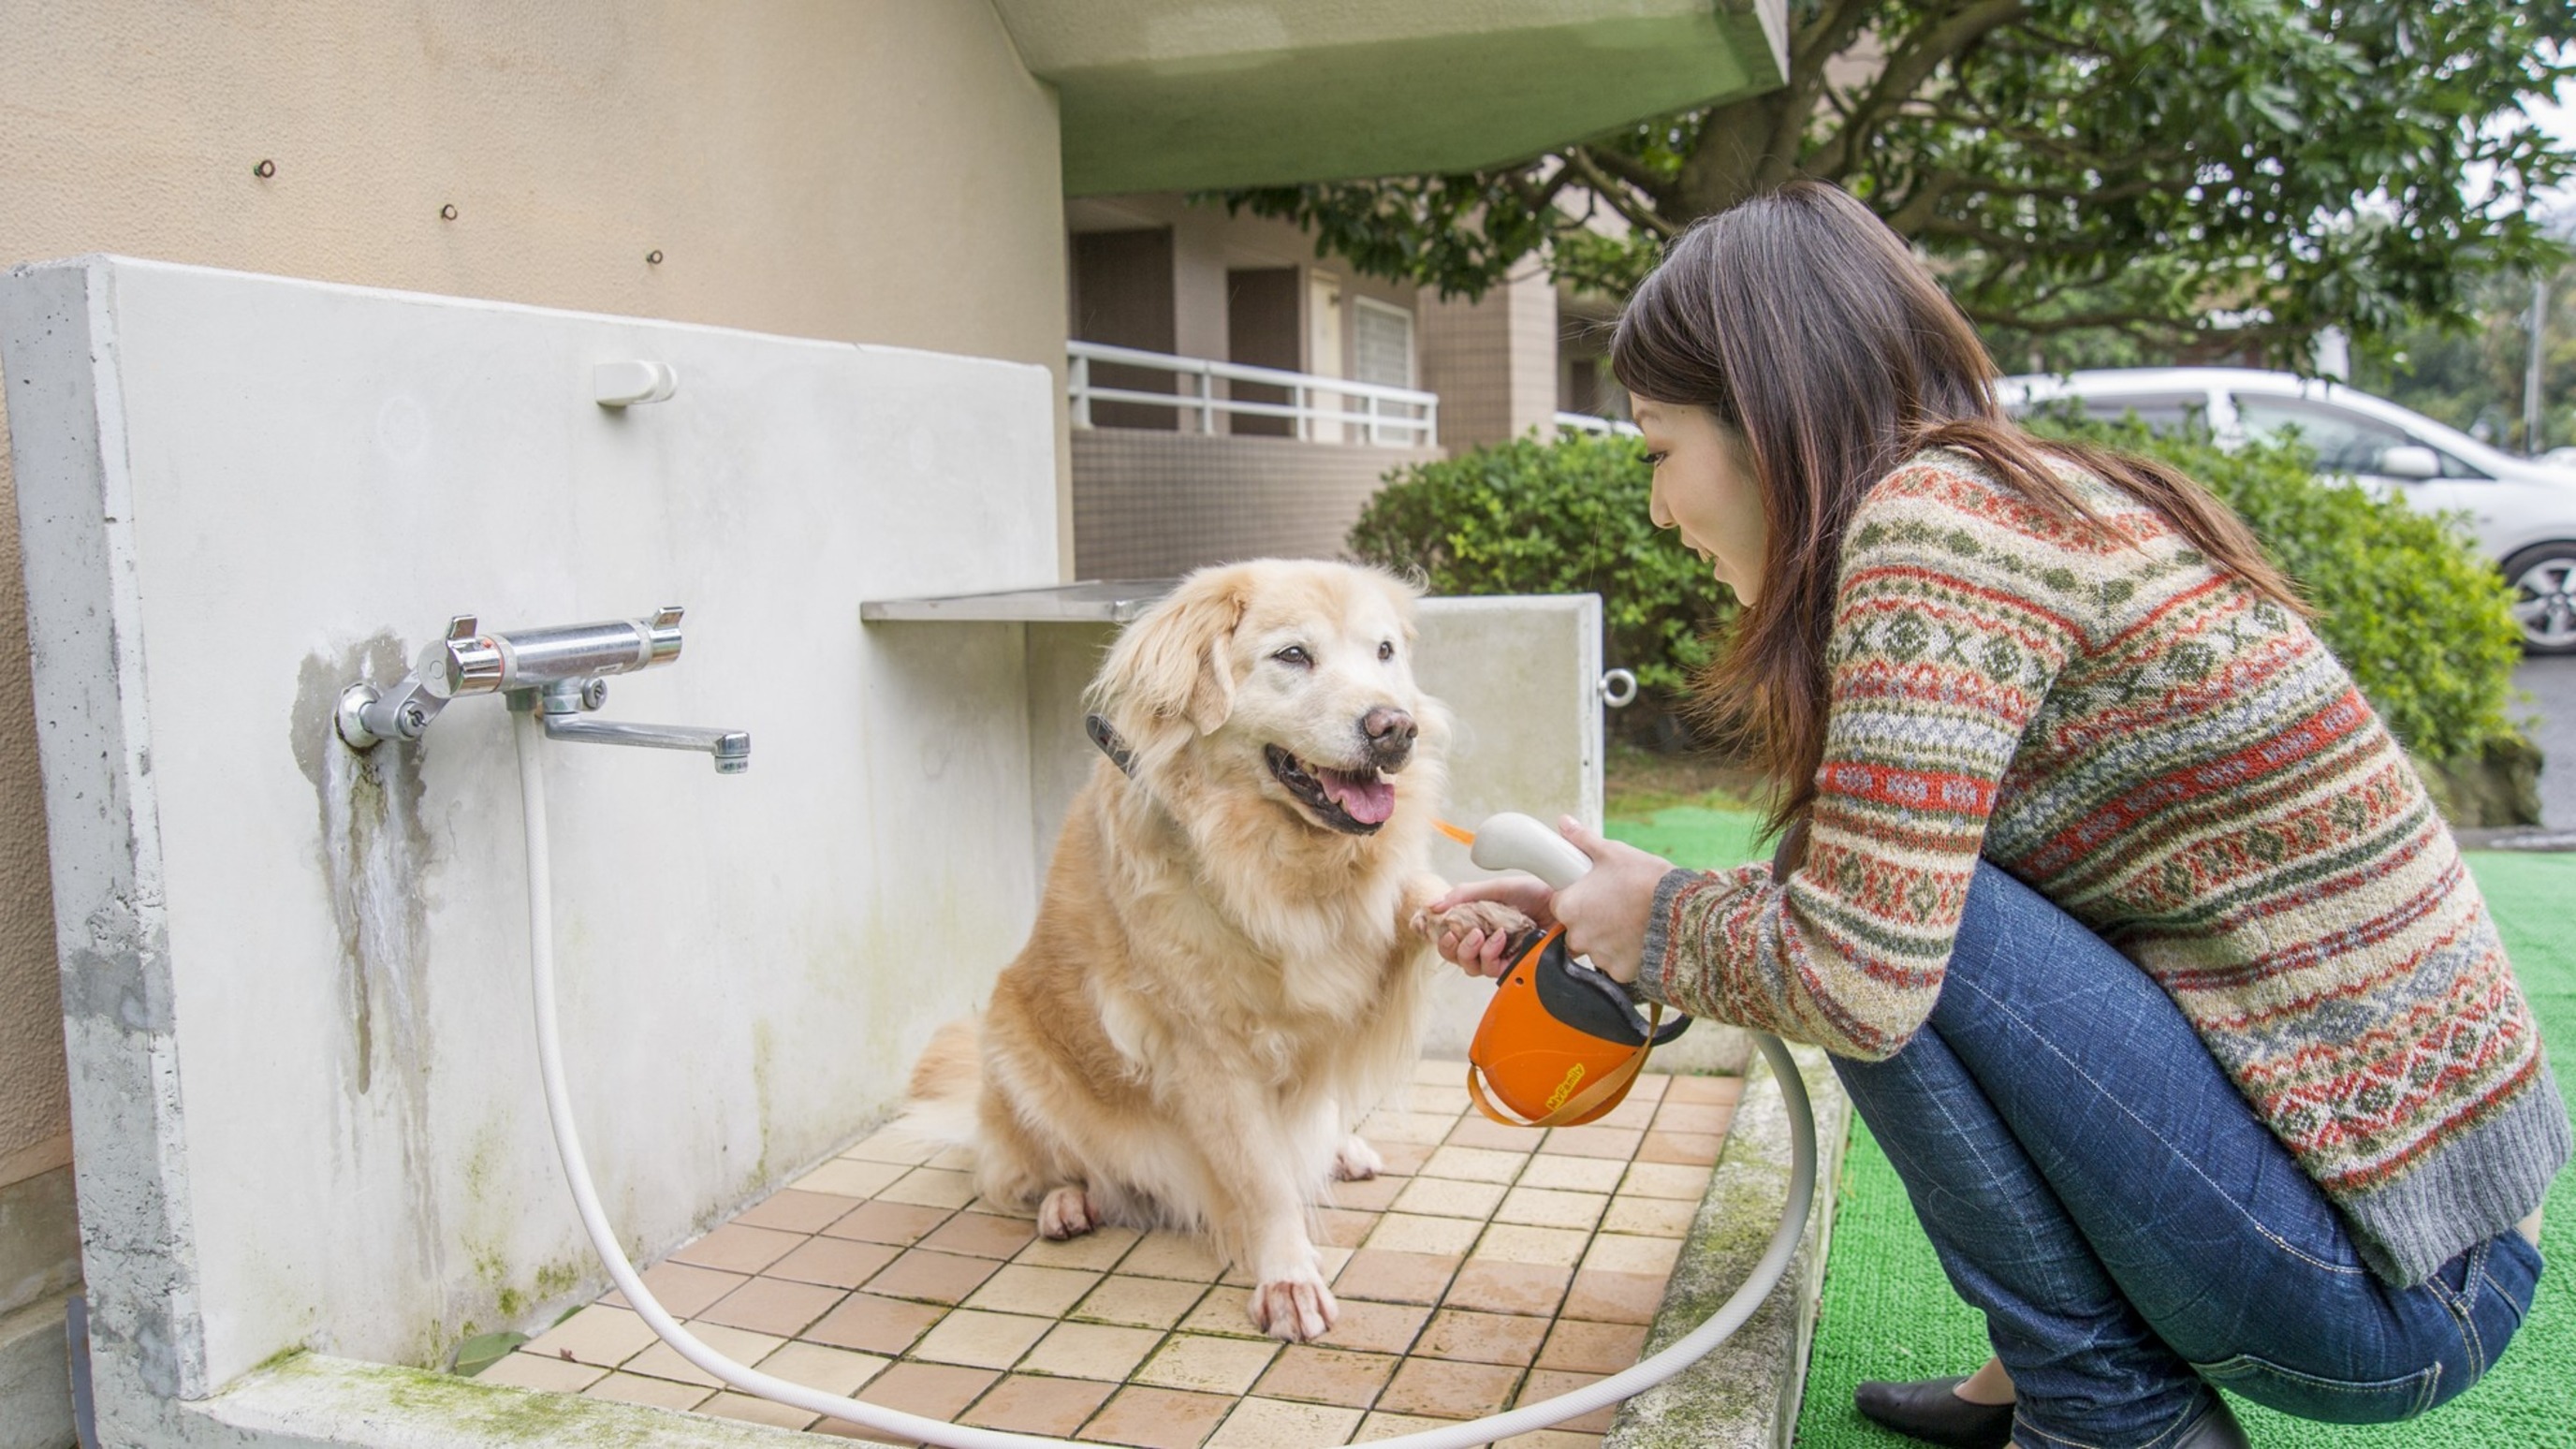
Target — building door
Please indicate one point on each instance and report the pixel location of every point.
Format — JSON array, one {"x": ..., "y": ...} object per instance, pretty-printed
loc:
[
  {"x": 1324, "y": 351},
  {"x": 1261, "y": 331},
  {"x": 1123, "y": 295}
]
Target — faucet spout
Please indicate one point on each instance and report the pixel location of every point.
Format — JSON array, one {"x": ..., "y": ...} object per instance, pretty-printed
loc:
[{"x": 731, "y": 748}]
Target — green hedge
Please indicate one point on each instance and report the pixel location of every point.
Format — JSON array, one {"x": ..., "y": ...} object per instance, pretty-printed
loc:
[
  {"x": 2403, "y": 599},
  {"x": 1567, "y": 517}
]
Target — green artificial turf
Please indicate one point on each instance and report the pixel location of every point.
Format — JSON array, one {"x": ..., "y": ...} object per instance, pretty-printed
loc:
[{"x": 1889, "y": 1313}]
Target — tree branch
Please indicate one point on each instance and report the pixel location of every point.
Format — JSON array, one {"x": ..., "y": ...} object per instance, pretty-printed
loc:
[
  {"x": 1643, "y": 217},
  {"x": 1907, "y": 69}
]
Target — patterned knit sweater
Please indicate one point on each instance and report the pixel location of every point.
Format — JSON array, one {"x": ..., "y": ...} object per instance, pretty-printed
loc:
[{"x": 2181, "y": 765}]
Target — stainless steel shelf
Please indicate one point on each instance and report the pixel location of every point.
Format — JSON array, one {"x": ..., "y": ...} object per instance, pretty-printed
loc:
[{"x": 1093, "y": 601}]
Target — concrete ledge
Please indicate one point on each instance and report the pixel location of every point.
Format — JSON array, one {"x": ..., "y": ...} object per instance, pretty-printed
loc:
[
  {"x": 315, "y": 1400},
  {"x": 35, "y": 1378},
  {"x": 1745, "y": 1393}
]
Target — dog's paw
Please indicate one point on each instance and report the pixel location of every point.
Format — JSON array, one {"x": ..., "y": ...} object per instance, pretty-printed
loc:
[
  {"x": 1296, "y": 1307},
  {"x": 1490, "y": 917},
  {"x": 1356, "y": 1161},
  {"x": 1067, "y": 1212}
]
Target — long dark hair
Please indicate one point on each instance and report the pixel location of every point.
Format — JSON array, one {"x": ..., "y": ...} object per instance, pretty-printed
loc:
[{"x": 1809, "y": 329}]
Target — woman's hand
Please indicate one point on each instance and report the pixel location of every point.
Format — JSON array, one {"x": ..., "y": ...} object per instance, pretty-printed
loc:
[{"x": 1604, "y": 914}]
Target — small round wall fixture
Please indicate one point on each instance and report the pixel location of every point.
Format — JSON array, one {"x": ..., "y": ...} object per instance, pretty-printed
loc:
[
  {"x": 264, "y": 170},
  {"x": 447, "y": 212},
  {"x": 653, "y": 258}
]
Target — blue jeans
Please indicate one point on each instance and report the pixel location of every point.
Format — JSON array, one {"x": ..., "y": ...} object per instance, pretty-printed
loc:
[{"x": 2132, "y": 1231}]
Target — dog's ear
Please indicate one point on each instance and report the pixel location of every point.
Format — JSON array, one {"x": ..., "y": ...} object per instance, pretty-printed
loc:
[{"x": 1172, "y": 663}]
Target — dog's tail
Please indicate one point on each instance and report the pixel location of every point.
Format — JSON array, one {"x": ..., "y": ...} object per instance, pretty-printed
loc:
[{"x": 939, "y": 1105}]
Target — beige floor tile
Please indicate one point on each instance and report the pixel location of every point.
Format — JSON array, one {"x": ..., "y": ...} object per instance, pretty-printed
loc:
[
  {"x": 1206, "y": 1364},
  {"x": 597, "y": 1335},
  {"x": 1445, "y": 1389},
  {"x": 1343, "y": 1227},
  {"x": 524, "y": 1370},
  {"x": 1633, "y": 1114},
  {"x": 1314, "y": 1373},
  {"x": 1475, "y": 1164},
  {"x": 1694, "y": 1117},
  {"x": 1512, "y": 1243},
  {"x": 1484, "y": 1337},
  {"x": 932, "y": 1390},
  {"x": 1027, "y": 1404},
  {"x": 1652, "y": 1217},
  {"x": 835, "y": 1262},
  {"x": 1549, "y": 1439},
  {"x": 1442, "y": 1099},
  {"x": 738, "y": 1248},
  {"x": 875, "y": 1325},
  {"x": 978, "y": 1339},
  {"x": 741, "y": 1345},
  {"x": 896, "y": 1224},
  {"x": 1151, "y": 1418},
  {"x": 1489, "y": 1285},
  {"x": 1620, "y": 1253},
  {"x": 930, "y": 1187},
  {"x": 1020, "y": 1288},
  {"x": 772, "y": 1305},
  {"x": 1383, "y": 1425},
  {"x": 1395, "y": 1277},
  {"x": 1376, "y": 1327},
  {"x": 1440, "y": 1071},
  {"x": 892, "y": 1146},
  {"x": 637, "y": 1389},
  {"x": 1598, "y": 1348},
  {"x": 1276, "y": 1424},
  {"x": 848, "y": 1177},
  {"x": 818, "y": 1366},
  {"x": 1225, "y": 1312},
  {"x": 1615, "y": 1297},
  {"x": 1026, "y": 1213},
  {"x": 1449, "y": 1197},
  {"x": 1724, "y": 1090},
  {"x": 1138, "y": 1302},
  {"x": 752, "y": 1409},
  {"x": 1370, "y": 1195},
  {"x": 1650, "y": 1086},
  {"x": 1548, "y": 1383},
  {"x": 1415, "y": 1233},
  {"x": 1615, "y": 1142},
  {"x": 981, "y": 1235},
  {"x": 683, "y": 1290},
  {"x": 1475, "y": 1129},
  {"x": 1686, "y": 1147},
  {"x": 1574, "y": 1174},
  {"x": 1092, "y": 1351},
  {"x": 1547, "y": 1207},
  {"x": 955, "y": 1159},
  {"x": 1185, "y": 1256},
  {"x": 1422, "y": 1128},
  {"x": 1098, "y": 1250},
  {"x": 932, "y": 1277},
  {"x": 1402, "y": 1159},
  {"x": 1328, "y": 1261},
  {"x": 790, "y": 1210},
  {"x": 1665, "y": 1179}
]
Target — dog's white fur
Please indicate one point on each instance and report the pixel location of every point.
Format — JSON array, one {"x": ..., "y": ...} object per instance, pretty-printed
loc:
[{"x": 1219, "y": 982}]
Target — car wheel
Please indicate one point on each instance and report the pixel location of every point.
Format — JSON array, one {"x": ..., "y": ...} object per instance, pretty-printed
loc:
[{"x": 2544, "y": 597}]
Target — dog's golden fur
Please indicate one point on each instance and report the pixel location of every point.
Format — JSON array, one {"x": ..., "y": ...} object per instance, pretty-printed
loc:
[{"x": 1219, "y": 980}]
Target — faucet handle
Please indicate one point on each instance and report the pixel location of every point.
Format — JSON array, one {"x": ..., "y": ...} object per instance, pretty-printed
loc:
[{"x": 465, "y": 662}]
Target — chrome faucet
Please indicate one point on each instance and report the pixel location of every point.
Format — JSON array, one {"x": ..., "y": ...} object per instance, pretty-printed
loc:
[{"x": 559, "y": 673}]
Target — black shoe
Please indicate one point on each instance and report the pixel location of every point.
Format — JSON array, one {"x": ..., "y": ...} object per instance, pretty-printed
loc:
[{"x": 1929, "y": 1411}]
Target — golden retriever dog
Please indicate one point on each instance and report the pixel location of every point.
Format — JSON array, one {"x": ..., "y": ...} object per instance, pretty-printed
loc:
[{"x": 1228, "y": 960}]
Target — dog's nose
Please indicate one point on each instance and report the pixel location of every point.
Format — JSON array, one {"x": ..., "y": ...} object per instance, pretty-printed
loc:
[{"x": 1390, "y": 734}]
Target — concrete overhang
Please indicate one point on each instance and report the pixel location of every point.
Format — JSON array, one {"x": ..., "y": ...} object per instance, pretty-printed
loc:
[{"x": 1175, "y": 95}]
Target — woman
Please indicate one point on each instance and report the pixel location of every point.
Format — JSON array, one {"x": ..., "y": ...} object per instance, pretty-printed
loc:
[{"x": 2132, "y": 933}]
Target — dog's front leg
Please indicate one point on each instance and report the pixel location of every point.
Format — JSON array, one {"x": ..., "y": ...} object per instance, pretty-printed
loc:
[{"x": 1256, "y": 1210}]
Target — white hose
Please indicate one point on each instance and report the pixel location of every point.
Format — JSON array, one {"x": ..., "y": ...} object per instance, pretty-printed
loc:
[{"x": 909, "y": 1427}]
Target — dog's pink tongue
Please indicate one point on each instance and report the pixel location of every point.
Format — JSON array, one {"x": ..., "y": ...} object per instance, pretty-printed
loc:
[{"x": 1368, "y": 801}]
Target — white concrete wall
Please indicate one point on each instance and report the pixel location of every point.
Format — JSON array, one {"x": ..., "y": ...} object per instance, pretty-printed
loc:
[{"x": 306, "y": 1101}]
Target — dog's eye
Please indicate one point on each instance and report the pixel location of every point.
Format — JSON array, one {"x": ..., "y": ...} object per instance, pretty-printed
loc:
[
  {"x": 1295, "y": 654},
  {"x": 1385, "y": 650}
]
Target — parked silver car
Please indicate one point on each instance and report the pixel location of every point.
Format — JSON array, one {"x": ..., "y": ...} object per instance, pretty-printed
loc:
[{"x": 2521, "y": 510}]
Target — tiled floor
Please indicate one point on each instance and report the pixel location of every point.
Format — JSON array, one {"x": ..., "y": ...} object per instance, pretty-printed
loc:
[{"x": 1487, "y": 1267}]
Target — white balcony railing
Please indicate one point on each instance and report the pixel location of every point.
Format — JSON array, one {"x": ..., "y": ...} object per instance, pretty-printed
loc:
[
  {"x": 1587, "y": 423},
  {"x": 1322, "y": 409}
]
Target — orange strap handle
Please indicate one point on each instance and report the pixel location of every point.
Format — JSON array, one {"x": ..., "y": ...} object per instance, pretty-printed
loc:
[{"x": 1612, "y": 1084}]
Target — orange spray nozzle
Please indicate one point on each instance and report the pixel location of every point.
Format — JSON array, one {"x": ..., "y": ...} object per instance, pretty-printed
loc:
[{"x": 1463, "y": 837}]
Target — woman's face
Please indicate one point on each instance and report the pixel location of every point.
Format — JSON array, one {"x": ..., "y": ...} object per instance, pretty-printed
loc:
[{"x": 1704, "y": 486}]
